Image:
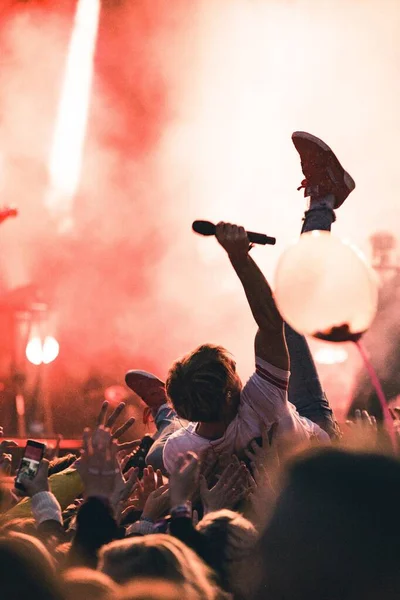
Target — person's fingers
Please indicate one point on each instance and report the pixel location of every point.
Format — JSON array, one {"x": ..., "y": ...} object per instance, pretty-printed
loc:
[
  {"x": 44, "y": 466},
  {"x": 5, "y": 463},
  {"x": 101, "y": 437},
  {"x": 43, "y": 470},
  {"x": 227, "y": 474},
  {"x": 112, "y": 451},
  {"x": 203, "y": 486},
  {"x": 220, "y": 230},
  {"x": 160, "y": 491},
  {"x": 59, "y": 439},
  {"x": 86, "y": 441},
  {"x": 257, "y": 449},
  {"x": 238, "y": 493},
  {"x": 249, "y": 454},
  {"x": 237, "y": 476},
  {"x": 374, "y": 423},
  {"x": 132, "y": 479},
  {"x": 124, "y": 462},
  {"x": 124, "y": 427},
  {"x": 230, "y": 232},
  {"x": 115, "y": 414},
  {"x": 159, "y": 479},
  {"x": 349, "y": 423},
  {"x": 7, "y": 444},
  {"x": 252, "y": 479},
  {"x": 135, "y": 493},
  {"x": 102, "y": 414},
  {"x": 366, "y": 418},
  {"x": 357, "y": 416},
  {"x": 128, "y": 445}
]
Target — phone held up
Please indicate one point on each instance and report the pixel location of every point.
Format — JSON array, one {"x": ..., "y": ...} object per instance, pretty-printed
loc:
[{"x": 30, "y": 462}]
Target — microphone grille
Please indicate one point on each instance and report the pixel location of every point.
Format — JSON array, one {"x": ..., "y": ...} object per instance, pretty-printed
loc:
[{"x": 203, "y": 227}]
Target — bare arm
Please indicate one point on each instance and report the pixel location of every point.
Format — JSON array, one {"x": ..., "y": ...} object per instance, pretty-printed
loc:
[{"x": 270, "y": 343}]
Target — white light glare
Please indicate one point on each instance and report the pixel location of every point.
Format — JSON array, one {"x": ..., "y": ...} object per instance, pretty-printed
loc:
[{"x": 38, "y": 353}]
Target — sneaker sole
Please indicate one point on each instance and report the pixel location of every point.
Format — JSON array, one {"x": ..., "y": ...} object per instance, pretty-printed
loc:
[{"x": 347, "y": 179}]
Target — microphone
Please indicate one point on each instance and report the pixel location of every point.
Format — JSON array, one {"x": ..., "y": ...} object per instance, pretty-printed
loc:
[{"x": 208, "y": 228}]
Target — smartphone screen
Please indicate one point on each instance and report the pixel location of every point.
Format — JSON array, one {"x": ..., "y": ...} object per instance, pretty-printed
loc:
[{"x": 30, "y": 462}]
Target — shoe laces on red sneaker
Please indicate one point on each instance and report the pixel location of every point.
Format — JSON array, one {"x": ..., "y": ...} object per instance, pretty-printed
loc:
[
  {"x": 317, "y": 191},
  {"x": 304, "y": 184}
]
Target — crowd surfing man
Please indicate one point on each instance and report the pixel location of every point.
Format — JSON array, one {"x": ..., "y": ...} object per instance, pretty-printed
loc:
[{"x": 211, "y": 407}]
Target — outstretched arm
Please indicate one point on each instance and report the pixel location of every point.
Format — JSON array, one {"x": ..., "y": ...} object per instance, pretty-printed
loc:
[{"x": 270, "y": 343}]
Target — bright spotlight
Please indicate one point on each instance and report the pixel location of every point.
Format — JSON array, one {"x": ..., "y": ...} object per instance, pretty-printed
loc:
[
  {"x": 34, "y": 351},
  {"x": 38, "y": 353},
  {"x": 50, "y": 350}
]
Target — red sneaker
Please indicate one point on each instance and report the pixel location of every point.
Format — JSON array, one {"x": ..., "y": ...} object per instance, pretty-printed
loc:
[
  {"x": 149, "y": 388},
  {"x": 323, "y": 172}
]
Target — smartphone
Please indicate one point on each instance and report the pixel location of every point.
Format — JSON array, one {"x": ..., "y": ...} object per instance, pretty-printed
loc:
[{"x": 30, "y": 462}]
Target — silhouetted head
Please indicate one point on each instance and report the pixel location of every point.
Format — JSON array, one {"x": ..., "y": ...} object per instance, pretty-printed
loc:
[
  {"x": 334, "y": 533},
  {"x": 156, "y": 556}
]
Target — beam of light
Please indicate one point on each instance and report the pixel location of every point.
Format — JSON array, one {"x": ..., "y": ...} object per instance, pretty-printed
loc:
[{"x": 70, "y": 131}]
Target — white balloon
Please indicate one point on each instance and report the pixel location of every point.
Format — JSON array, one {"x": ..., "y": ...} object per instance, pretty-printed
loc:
[{"x": 322, "y": 284}]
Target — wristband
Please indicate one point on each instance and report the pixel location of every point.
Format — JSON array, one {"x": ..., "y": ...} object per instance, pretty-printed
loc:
[
  {"x": 182, "y": 511},
  {"x": 147, "y": 519}
]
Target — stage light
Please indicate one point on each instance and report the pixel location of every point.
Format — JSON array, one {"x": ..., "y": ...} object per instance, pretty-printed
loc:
[
  {"x": 38, "y": 353},
  {"x": 34, "y": 351},
  {"x": 50, "y": 350},
  {"x": 69, "y": 135},
  {"x": 325, "y": 288}
]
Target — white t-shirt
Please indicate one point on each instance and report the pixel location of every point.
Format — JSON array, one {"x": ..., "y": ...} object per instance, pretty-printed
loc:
[{"x": 263, "y": 402}]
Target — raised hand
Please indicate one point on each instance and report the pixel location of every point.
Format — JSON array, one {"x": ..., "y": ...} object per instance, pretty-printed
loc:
[
  {"x": 184, "y": 479},
  {"x": 52, "y": 452},
  {"x": 107, "y": 423},
  {"x": 231, "y": 487},
  {"x": 124, "y": 487},
  {"x": 40, "y": 483},
  {"x": 151, "y": 481},
  {"x": 362, "y": 432},
  {"x": 265, "y": 466},
  {"x": 157, "y": 503},
  {"x": 99, "y": 467},
  {"x": 5, "y": 455},
  {"x": 233, "y": 239}
]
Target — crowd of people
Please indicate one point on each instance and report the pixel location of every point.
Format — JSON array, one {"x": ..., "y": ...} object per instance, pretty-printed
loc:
[{"x": 245, "y": 491}]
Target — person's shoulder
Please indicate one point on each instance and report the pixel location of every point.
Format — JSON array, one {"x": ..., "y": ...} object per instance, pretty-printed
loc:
[
  {"x": 180, "y": 433},
  {"x": 179, "y": 442},
  {"x": 182, "y": 440}
]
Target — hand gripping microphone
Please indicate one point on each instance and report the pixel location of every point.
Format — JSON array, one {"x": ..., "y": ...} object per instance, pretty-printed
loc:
[{"x": 208, "y": 228}]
